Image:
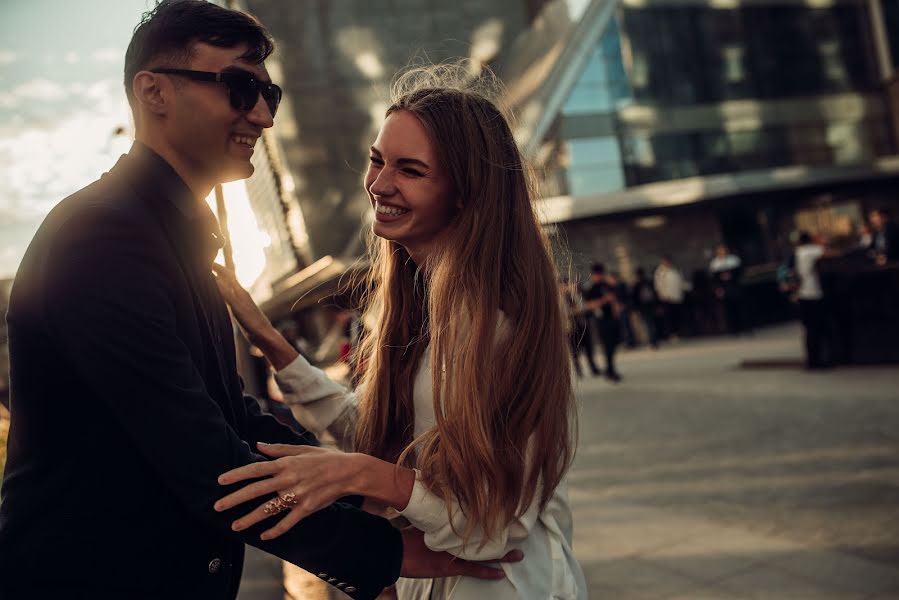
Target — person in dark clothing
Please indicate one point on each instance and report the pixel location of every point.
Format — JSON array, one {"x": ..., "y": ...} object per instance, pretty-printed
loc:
[
  {"x": 726, "y": 269},
  {"x": 646, "y": 303},
  {"x": 126, "y": 402},
  {"x": 603, "y": 304},
  {"x": 884, "y": 236},
  {"x": 624, "y": 301},
  {"x": 579, "y": 334}
]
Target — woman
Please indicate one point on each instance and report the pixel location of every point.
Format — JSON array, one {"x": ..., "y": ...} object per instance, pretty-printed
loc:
[{"x": 473, "y": 452}]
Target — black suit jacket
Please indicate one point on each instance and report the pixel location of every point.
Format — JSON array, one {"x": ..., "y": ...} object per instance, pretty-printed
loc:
[{"x": 126, "y": 406}]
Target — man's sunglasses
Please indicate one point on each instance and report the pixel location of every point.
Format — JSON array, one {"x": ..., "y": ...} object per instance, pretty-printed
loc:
[{"x": 243, "y": 88}]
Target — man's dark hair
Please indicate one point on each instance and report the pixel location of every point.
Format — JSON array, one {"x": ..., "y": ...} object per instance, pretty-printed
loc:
[
  {"x": 166, "y": 35},
  {"x": 804, "y": 238},
  {"x": 598, "y": 269}
]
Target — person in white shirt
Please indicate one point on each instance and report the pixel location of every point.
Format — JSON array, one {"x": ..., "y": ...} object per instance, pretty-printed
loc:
[
  {"x": 463, "y": 420},
  {"x": 811, "y": 302},
  {"x": 670, "y": 286}
]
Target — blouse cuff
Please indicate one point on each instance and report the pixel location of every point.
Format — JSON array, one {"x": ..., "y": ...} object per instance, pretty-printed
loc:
[{"x": 426, "y": 511}]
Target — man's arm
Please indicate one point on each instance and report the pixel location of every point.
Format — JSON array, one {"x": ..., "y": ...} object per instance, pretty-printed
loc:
[{"x": 109, "y": 305}]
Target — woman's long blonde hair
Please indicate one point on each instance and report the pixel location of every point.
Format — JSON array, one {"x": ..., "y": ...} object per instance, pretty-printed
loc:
[{"x": 504, "y": 407}]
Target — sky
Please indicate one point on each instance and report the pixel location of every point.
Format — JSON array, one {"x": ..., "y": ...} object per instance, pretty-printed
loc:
[{"x": 61, "y": 100}]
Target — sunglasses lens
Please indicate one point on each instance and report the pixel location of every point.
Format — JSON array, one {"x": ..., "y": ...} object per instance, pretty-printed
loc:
[
  {"x": 245, "y": 94},
  {"x": 272, "y": 95}
]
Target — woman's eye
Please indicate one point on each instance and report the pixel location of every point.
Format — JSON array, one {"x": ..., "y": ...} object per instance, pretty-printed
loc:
[
  {"x": 413, "y": 172},
  {"x": 375, "y": 160}
]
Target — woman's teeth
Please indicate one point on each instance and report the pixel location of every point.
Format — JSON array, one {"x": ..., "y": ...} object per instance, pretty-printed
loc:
[
  {"x": 390, "y": 211},
  {"x": 242, "y": 139}
]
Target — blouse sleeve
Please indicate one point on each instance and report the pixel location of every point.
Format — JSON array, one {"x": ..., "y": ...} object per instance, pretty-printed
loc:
[
  {"x": 320, "y": 404},
  {"x": 431, "y": 514}
]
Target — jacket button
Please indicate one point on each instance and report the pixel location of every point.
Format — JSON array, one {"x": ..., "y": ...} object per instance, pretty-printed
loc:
[
  {"x": 215, "y": 565},
  {"x": 350, "y": 589}
]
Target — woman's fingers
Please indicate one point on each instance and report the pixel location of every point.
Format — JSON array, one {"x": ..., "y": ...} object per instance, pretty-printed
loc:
[
  {"x": 248, "y": 520},
  {"x": 250, "y": 471},
  {"x": 280, "y": 450},
  {"x": 290, "y": 519},
  {"x": 247, "y": 493}
]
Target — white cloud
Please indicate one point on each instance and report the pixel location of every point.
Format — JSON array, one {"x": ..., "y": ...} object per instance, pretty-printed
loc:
[
  {"x": 71, "y": 58},
  {"x": 38, "y": 89},
  {"x": 7, "y": 57},
  {"x": 43, "y": 165},
  {"x": 108, "y": 55}
]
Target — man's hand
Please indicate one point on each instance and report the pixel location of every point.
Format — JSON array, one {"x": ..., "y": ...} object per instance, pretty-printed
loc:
[{"x": 419, "y": 561}]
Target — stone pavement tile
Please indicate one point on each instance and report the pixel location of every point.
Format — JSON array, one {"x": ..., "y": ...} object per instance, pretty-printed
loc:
[
  {"x": 706, "y": 592},
  {"x": 609, "y": 532},
  {"x": 605, "y": 592},
  {"x": 720, "y": 553},
  {"x": 767, "y": 582},
  {"x": 841, "y": 571},
  {"x": 636, "y": 576},
  {"x": 261, "y": 578}
]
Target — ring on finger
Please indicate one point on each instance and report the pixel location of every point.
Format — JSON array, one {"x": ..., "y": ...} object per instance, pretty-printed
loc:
[
  {"x": 289, "y": 499},
  {"x": 274, "y": 506}
]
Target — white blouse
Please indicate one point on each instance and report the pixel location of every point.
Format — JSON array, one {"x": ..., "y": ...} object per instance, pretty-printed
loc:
[{"x": 549, "y": 570}]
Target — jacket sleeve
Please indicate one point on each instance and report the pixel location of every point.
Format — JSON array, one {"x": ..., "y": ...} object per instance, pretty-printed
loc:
[
  {"x": 321, "y": 405},
  {"x": 109, "y": 305}
]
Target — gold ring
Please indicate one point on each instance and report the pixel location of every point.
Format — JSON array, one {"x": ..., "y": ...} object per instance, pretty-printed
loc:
[
  {"x": 273, "y": 506},
  {"x": 290, "y": 499}
]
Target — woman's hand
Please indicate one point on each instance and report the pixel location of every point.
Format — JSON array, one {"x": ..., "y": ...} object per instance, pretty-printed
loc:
[
  {"x": 315, "y": 476},
  {"x": 258, "y": 329}
]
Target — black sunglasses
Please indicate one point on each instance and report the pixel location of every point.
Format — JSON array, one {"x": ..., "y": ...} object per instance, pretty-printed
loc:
[{"x": 243, "y": 88}]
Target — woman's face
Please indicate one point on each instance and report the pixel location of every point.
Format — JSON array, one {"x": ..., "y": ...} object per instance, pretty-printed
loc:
[{"x": 409, "y": 191}]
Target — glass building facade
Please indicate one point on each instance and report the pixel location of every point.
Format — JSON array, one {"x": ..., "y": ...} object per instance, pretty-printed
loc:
[{"x": 675, "y": 89}]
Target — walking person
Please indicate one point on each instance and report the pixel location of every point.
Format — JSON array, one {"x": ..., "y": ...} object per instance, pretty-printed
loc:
[
  {"x": 818, "y": 343},
  {"x": 463, "y": 418},
  {"x": 726, "y": 269},
  {"x": 125, "y": 399},
  {"x": 580, "y": 336},
  {"x": 646, "y": 302},
  {"x": 624, "y": 308},
  {"x": 602, "y": 301},
  {"x": 670, "y": 287}
]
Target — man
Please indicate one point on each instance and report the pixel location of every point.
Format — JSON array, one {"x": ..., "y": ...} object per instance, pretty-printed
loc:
[
  {"x": 645, "y": 300},
  {"x": 726, "y": 269},
  {"x": 818, "y": 349},
  {"x": 580, "y": 338},
  {"x": 670, "y": 287},
  {"x": 884, "y": 236},
  {"x": 600, "y": 298},
  {"x": 126, "y": 402}
]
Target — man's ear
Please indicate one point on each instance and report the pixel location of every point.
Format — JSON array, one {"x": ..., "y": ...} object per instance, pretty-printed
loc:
[{"x": 151, "y": 91}]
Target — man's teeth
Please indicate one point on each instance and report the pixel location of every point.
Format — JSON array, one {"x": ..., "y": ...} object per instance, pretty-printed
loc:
[
  {"x": 246, "y": 141},
  {"x": 390, "y": 211}
]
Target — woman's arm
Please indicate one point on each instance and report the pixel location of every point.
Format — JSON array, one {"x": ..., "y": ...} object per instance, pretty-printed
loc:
[
  {"x": 322, "y": 406},
  {"x": 443, "y": 524}
]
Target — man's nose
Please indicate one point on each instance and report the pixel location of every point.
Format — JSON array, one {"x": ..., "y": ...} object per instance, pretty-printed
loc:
[{"x": 260, "y": 114}]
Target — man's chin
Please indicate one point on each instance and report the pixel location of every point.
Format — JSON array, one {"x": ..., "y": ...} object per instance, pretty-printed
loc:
[{"x": 236, "y": 174}]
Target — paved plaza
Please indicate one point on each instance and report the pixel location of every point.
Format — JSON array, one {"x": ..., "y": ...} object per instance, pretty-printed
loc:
[{"x": 698, "y": 478}]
